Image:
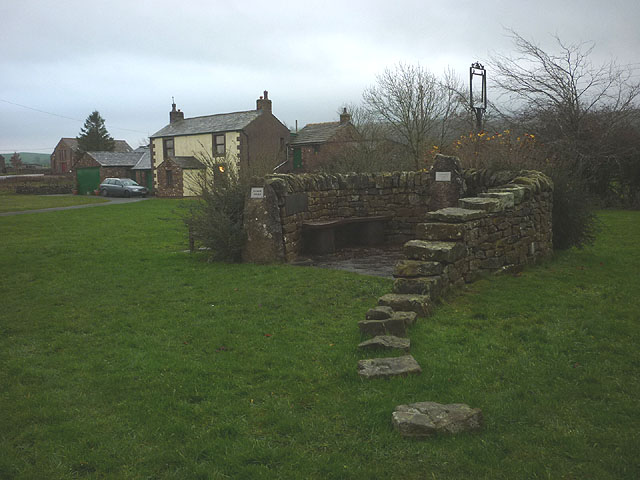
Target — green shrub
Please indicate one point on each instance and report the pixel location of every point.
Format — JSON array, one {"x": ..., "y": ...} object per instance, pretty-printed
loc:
[
  {"x": 574, "y": 221},
  {"x": 215, "y": 220}
]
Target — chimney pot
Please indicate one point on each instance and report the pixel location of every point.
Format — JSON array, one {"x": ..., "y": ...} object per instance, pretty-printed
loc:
[{"x": 263, "y": 103}]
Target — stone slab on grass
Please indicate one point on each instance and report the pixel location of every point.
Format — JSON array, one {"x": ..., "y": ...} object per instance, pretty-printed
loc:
[
  {"x": 395, "y": 325},
  {"x": 419, "y": 304},
  {"x": 379, "y": 313},
  {"x": 387, "y": 342},
  {"x": 388, "y": 367},
  {"x": 389, "y": 326},
  {"x": 425, "y": 419}
]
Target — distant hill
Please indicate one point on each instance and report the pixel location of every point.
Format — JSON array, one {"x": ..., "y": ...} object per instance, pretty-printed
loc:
[{"x": 43, "y": 159}]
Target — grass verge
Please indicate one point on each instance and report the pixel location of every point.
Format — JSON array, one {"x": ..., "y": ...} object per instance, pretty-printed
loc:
[{"x": 123, "y": 357}]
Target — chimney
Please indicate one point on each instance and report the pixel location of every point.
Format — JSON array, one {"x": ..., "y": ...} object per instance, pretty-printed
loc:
[
  {"x": 263, "y": 103},
  {"x": 345, "y": 117},
  {"x": 175, "y": 115}
]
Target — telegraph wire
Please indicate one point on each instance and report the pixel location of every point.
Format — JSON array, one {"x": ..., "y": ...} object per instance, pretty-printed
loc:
[{"x": 68, "y": 118}]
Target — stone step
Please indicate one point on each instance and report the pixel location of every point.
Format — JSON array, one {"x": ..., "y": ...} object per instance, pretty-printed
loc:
[
  {"x": 519, "y": 192},
  {"x": 396, "y": 325},
  {"x": 417, "y": 268},
  {"x": 387, "y": 342},
  {"x": 379, "y": 313},
  {"x": 440, "y": 231},
  {"x": 446, "y": 252},
  {"x": 425, "y": 419},
  {"x": 455, "y": 215},
  {"x": 388, "y": 367},
  {"x": 429, "y": 286},
  {"x": 401, "y": 302},
  {"x": 507, "y": 199},
  {"x": 490, "y": 205}
]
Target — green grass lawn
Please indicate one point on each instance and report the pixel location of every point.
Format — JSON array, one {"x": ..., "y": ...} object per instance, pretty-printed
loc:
[
  {"x": 123, "y": 357},
  {"x": 11, "y": 202}
]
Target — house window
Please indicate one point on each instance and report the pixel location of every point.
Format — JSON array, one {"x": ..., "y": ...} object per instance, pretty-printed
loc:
[
  {"x": 169, "y": 178},
  {"x": 167, "y": 144},
  {"x": 218, "y": 145}
]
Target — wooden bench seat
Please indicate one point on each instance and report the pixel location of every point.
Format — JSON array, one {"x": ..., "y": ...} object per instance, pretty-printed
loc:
[{"x": 325, "y": 236}]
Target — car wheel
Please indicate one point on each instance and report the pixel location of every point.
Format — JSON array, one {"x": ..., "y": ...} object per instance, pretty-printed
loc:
[
  {"x": 104, "y": 193},
  {"x": 127, "y": 193}
]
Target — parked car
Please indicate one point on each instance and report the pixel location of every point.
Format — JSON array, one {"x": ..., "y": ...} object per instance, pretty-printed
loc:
[{"x": 122, "y": 187}]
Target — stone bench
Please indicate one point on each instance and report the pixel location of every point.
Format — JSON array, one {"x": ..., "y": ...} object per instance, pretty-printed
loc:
[{"x": 325, "y": 236}]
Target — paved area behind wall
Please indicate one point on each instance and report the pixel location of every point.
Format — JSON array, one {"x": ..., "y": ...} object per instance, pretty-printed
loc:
[{"x": 365, "y": 261}]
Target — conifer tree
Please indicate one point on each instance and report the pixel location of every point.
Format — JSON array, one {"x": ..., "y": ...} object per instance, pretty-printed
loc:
[
  {"x": 16, "y": 161},
  {"x": 94, "y": 136}
]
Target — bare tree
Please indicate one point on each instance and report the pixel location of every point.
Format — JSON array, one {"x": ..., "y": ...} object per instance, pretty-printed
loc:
[
  {"x": 578, "y": 108},
  {"x": 565, "y": 86},
  {"x": 416, "y": 104}
]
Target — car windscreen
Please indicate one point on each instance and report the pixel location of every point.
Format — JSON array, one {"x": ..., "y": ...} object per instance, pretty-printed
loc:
[{"x": 127, "y": 182}]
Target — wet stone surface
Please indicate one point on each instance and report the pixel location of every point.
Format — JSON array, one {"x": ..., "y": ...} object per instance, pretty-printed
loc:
[{"x": 376, "y": 261}]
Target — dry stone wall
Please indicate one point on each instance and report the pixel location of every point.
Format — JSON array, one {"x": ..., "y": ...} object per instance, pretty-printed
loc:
[
  {"x": 507, "y": 223},
  {"x": 505, "y": 227},
  {"x": 403, "y": 196}
]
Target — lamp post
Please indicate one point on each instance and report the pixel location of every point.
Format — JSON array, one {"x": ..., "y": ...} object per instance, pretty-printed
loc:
[{"x": 478, "y": 105}]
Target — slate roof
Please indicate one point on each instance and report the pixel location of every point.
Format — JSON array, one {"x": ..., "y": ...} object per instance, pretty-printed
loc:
[
  {"x": 116, "y": 159},
  {"x": 317, "y": 133},
  {"x": 121, "y": 146},
  {"x": 145, "y": 161},
  {"x": 221, "y": 122},
  {"x": 188, "y": 162}
]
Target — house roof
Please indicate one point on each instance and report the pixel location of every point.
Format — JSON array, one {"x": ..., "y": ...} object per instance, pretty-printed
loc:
[
  {"x": 317, "y": 133},
  {"x": 222, "y": 122},
  {"x": 120, "y": 146},
  {"x": 145, "y": 160},
  {"x": 116, "y": 159}
]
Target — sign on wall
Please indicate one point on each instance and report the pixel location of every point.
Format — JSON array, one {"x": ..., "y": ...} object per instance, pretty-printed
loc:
[
  {"x": 443, "y": 176},
  {"x": 257, "y": 192}
]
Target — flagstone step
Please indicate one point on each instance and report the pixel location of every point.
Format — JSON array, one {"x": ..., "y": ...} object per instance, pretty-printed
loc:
[
  {"x": 402, "y": 302},
  {"x": 417, "y": 268},
  {"x": 426, "y": 419},
  {"x": 387, "y": 342},
  {"x": 447, "y": 252},
  {"x": 396, "y": 324},
  {"x": 455, "y": 215},
  {"x": 440, "y": 231},
  {"x": 490, "y": 205},
  {"x": 388, "y": 367},
  {"x": 429, "y": 286}
]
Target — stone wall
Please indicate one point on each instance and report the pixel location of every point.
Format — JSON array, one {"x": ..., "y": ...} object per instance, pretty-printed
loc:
[
  {"x": 508, "y": 223},
  {"x": 404, "y": 196},
  {"x": 503, "y": 228}
]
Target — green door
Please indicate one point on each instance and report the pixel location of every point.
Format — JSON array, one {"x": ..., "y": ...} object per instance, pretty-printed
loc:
[
  {"x": 297, "y": 158},
  {"x": 88, "y": 179},
  {"x": 148, "y": 175}
]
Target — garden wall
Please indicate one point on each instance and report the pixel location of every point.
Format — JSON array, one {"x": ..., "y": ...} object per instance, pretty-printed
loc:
[{"x": 515, "y": 212}]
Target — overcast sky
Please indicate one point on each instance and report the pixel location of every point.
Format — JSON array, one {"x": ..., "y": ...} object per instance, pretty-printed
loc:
[{"x": 128, "y": 58}]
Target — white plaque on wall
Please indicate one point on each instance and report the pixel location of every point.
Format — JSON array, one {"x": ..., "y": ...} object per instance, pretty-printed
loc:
[
  {"x": 443, "y": 176},
  {"x": 257, "y": 192}
]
